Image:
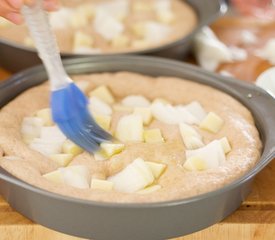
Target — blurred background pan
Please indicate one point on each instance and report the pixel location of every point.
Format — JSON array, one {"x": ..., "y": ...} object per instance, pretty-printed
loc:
[
  {"x": 97, "y": 220},
  {"x": 15, "y": 57}
]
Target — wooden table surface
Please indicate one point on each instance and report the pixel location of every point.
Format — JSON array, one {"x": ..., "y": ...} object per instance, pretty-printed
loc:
[{"x": 254, "y": 220}]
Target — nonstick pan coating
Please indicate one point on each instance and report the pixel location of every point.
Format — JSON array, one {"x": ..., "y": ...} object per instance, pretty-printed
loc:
[
  {"x": 151, "y": 221},
  {"x": 15, "y": 57}
]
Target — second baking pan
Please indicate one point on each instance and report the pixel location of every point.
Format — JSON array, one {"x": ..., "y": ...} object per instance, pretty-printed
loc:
[
  {"x": 15, "y": 57},
  {"x": 97, "y": 220}
]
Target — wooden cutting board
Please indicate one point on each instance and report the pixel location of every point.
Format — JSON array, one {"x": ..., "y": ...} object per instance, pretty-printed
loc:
[
  {"x": 254, "y": 220},
  {"x": 3, "y": 74}
]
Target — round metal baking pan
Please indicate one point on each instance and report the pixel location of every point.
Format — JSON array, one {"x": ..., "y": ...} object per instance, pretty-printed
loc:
[
  {"x": 16, "y": 57},
  {"x": 151, "y": 221}
]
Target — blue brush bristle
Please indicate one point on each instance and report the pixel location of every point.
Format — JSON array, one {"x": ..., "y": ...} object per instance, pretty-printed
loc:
[{"x": 70, "y": 112}]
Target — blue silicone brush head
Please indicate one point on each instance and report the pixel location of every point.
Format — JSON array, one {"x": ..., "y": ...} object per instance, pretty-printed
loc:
[
  {"x": 70, "y": 112},
  {"x": 69, "y": 105}
]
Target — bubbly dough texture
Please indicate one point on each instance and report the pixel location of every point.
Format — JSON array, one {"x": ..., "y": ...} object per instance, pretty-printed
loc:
[{"x": 176, "y": 182}]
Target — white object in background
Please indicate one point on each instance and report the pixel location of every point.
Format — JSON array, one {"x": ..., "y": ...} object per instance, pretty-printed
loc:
[
  {"x": 155, "y": 32},
  {"x": 118, "y": 9},
  {"x": 209, "y": 50},
  {"x": 226, "y": 73},
  {"x": 248, "y": 37},
  {"x": 266, "y": 80},
  {"x": 87, "y": 50},
  {"x": 61, "y": 19},
  {"x": 238, "y": 54},
  {"x": 267, "y": 52},
  {"x": 162, "y": 5},
  {"x": 107, "y": 26}
]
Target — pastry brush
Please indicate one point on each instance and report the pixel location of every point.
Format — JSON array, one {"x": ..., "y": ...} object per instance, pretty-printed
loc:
[{"x": 69, "y": 105}]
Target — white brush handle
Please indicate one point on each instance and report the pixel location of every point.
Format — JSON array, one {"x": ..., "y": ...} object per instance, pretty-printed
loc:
[{"x": 45, "y": 42}]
